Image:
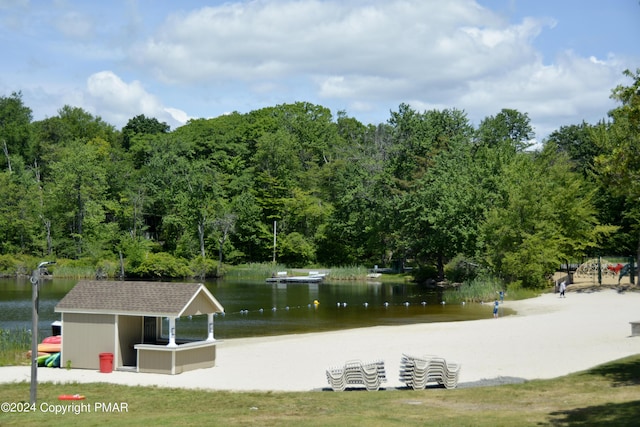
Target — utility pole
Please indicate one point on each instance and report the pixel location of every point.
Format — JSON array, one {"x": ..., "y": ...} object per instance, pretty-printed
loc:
[
  {"x": 274, "y": 240},
  {"x": 36, "y": 280}
]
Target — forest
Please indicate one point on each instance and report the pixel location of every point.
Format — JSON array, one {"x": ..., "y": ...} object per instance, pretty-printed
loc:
[{"x": 425, "y": 189}]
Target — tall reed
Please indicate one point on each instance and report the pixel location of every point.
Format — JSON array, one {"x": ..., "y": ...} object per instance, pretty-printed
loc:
[
  {"x": 74, "y": 272},
  {"x": 482, "y": 288},
  {"x": 354, "y": 272},
  {"x": 14, "y": 344},
  {"x": 487, "y": 288},
  {"x": 253, "y": 270}
]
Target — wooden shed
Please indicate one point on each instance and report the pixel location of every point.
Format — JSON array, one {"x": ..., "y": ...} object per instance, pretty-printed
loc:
[{"x": 126, "y": 319}]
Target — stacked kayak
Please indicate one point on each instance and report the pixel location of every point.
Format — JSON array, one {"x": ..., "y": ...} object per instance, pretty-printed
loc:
[
  {"x": 49, "y": 351},
  {"x": 53, "y": 361},
  {"x": 50, "y": 344}
]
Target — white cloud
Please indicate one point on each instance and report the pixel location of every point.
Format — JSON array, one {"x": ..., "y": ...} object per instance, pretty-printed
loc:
[
  {"x": 365, "y": 56},
  {"x": 377, "y": 54},
  {"x": 178, "y": 115},
  {"x": 260, "y": 39},
  {"x": 569, "y": 91},
  {"x": 118, "y": 101}
]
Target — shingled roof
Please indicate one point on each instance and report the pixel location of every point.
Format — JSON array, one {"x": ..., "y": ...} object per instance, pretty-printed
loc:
[{"x": 139, "y": 298}]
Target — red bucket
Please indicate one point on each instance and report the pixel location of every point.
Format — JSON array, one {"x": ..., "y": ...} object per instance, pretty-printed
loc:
[{"x": 106, "y": 363}]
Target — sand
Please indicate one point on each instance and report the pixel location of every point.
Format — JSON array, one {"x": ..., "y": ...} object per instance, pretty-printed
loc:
[{"x": 547, "y": 338}]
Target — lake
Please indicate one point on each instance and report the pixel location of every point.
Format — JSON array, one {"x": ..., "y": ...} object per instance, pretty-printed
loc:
[{"x": 257, "y": 308}]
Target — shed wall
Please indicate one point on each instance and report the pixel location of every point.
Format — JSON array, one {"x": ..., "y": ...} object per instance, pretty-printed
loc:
[
  {"x": 155, "y": 362},
  {"x": 204, "y": 357},
  {"x": 85, "y": 336}
]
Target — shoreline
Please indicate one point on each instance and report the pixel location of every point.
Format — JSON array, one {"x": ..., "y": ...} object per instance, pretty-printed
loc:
[{"x": 548, "y": 337}]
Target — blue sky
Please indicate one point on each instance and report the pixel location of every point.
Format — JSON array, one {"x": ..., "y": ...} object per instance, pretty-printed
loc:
[{"x": 556, "y": 60}]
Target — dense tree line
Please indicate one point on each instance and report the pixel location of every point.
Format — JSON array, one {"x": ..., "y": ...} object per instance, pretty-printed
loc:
[{"x": 425, "y": 188}]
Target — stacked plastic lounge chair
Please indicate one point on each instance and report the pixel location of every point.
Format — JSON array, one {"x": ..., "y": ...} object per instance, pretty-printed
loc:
[
  {"x": 335, "y": 377},
  {"x": 355, "y": 373},
  {"x": 417, "y": 372}
]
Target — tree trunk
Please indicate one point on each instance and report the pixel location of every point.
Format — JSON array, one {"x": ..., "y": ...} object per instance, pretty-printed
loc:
[
  {"x": 47, "y": 229},
  {"x": 440, "y": 268},
  {"x": 201, "y": 238},
  {"x": 79, "y": 218},
  {"x": 221, "y": 243},
  {"x": 6, "y": 153},
  {"x": 121, "y": 265}
]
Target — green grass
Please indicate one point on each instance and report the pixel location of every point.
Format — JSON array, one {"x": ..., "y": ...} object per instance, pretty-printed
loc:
[
  {"x": 12, "y": 346},
  {"x": 606, "y": 395}
]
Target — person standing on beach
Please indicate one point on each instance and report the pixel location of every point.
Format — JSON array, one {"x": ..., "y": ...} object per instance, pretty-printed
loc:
[
  {"x": 496, "y": 305},
  {"x": 563, "y": 287}
]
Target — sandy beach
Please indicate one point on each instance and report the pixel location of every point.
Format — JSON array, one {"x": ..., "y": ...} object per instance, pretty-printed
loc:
[{"x": 548, "y": 337}]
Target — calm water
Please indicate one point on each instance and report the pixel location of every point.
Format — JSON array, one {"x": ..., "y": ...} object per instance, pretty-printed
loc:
[{"x": 258, "y": 308}]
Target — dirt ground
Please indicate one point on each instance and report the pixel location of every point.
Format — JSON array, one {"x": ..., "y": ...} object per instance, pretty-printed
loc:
[{"x": 583, "y": 283}]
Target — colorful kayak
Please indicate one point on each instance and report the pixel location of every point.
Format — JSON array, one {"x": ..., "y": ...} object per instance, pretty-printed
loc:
[
  {"x": 71, "y": 397},
  {"x": 49, "y": 348},
  {"x": 43, "y": 359},
  {"x": 53, "y": 361},
  {"x": 55, "y": 339},
  {"x": 40, "y": 353}
]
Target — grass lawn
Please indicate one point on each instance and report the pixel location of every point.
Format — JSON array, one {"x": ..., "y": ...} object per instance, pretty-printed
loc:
[{"x": 606, "y": 395}]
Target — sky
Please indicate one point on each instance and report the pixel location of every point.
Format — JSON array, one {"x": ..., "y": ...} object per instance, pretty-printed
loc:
[{"x": 556, "y": 60}]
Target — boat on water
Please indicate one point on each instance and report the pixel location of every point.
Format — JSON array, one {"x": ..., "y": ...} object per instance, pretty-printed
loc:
[{"x": 283, "y": 277}]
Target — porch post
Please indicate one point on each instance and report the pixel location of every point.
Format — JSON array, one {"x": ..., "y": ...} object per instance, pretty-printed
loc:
[
  {"x": 172, "y": 332},
  {"x": 210, "y": 323}
]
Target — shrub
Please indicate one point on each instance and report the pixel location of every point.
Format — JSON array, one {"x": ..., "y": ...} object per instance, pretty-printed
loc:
[
  {"x": 160, "y": 265},
  {"x": 295, "y": 250},
  {"x": 203, "y": 267},
  {"x": 424, "y": 273},
  {"x": 461, "y": 269},
  {"x": 8, "y": 265},
  {"x": 107, "y": 268}
]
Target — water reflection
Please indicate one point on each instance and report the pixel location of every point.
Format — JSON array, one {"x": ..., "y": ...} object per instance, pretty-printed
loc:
[{"x": 256, "y": 308}]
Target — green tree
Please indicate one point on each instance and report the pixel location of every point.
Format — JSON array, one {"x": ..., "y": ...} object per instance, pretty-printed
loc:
[
  {"x": 618, "y": 164},
  {"x": 277, "y": 166},
  {"x": 223, "y": 141},
  {"x": 142, "y": 125},
  {"x": 353, "y": 183},
  {"x": 443, "y": 213},
  {"x": 577, "y": 142},
  {"x": 15, "y": 129},
  {"x": 20, "y": 230},
  {"x": 75, "y": 198},
  {"x": 440, "y": 210},
  {"x": 251, "y": 232},
  {"x": 534, "y": 226},
  {"x": 509, "y": 128}
]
